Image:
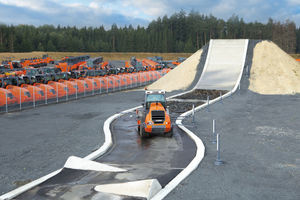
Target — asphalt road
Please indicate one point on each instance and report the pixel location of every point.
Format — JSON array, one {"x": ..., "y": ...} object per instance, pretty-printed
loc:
[
  {"x": 38, "y": 141},
  {"x": 157, "y": 157},
  {"x": 259, "y": 142}
]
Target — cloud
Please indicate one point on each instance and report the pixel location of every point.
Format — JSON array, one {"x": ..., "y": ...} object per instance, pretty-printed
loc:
[{"x": 95, "y": 13}]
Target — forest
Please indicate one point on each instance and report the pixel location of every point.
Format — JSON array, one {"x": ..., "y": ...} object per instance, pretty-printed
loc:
[{"x": 178, "y": 33}]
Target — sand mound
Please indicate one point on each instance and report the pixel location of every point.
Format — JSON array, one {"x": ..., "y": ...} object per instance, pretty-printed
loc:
[
  {"x": 181, "y": 77},
  {"x": 273, "y": 71}
]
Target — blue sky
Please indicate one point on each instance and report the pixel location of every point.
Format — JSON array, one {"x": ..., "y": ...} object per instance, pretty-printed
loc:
[{"x": 95, "y": 13}]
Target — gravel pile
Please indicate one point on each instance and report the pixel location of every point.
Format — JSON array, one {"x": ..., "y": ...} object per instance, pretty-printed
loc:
[{"x": 273, "y": 71}]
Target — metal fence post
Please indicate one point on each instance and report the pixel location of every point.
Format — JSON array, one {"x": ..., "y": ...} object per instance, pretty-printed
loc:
[
  {"x": 214, "y": 141},
  {"x": 221, "y": 98},
  {"x": 46, "y": 99},
  {"x": 57, "y": 93},
  {"x": 207, "y": 104},
  {"x": 218, "y": 161},
  {"x": 6, "y": 106},
  {"x": 33, "y": 103},
  {"x": 194, "y": 113},
  {"x": 20, "y": 99}
]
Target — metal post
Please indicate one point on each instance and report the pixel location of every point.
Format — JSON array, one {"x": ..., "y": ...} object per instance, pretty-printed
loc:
[
  {"x": 239, "y": 89},
  {"x": 6, "y": 106},
  {"x": 33, "y": 97},
  {"x": 46, "y": 88},
  {"x": 120, "y": 77},
  {"x": 218, "y": 161},
  {"x": 100, "y": 85},
  {"x": 247, "y": 73},
  {"x": 214, "y": 141},
  {"x": 93, "y": 87},
  {"x": 57, "y": 93},
  {"x": 83, "y": 88},
  {"x": 66, "y": 91},
  {"x": 20, "y": 99},
  {"x": 207, "y": 104},
  {"x": 76, "y": 88},
  {"x": 221, "y": 98},
  {"x": 194, "y": 113},
  {"x": 107, "y": 84}
]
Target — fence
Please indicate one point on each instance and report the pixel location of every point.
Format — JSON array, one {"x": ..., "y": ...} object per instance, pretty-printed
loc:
[{"x": 18, "y": 98}]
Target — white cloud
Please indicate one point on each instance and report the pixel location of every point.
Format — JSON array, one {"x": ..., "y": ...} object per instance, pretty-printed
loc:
[
  {"x": 294, "y": 2},
  {"x": 125, "y": 12}
]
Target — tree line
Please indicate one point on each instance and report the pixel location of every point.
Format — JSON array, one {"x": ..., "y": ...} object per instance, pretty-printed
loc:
[{"x": 178, "y": 33}]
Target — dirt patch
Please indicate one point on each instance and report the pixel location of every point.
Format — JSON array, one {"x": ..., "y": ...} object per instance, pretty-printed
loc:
[
  {"x": 201, "y": 94},
  {"x": 181, "y": 107},
  {"x": 273, "y": 71}
]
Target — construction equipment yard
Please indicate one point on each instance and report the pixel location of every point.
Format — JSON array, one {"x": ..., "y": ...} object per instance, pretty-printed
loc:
[{"x": 257, "y": 119}]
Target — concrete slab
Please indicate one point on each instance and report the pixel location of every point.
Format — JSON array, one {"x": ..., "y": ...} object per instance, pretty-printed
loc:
[
  {"x": 74, "y": 162},
  {"x": 224, "y": 64},
  {"x": 145, "y": 188}
]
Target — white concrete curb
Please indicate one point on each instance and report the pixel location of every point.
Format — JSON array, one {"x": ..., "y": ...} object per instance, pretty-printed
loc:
[
  {"x": 107, "y": 144},
  {"x": 200, "y": 146}
]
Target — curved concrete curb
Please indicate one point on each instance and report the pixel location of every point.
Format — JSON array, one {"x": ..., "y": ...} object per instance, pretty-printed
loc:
[
  {"x": 201, "y": 149},
  {"x": 107, "y": 144}
]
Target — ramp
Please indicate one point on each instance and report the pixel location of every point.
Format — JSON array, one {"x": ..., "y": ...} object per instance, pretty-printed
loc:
[{"x": 224, "y": 64}]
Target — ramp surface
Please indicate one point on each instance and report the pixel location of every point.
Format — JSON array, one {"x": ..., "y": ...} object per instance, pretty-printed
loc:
[{"x": 224, "y": 64}]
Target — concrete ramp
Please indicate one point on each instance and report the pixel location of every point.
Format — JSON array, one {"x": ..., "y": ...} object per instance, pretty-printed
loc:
[{"x": 224, "y": 64}]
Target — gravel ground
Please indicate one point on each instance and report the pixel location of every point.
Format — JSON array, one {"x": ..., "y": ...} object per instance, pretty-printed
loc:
[{"x": 259, "y": 137}]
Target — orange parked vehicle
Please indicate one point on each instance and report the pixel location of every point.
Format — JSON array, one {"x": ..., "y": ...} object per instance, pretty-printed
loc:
[
  {"x": 180, "y": 60},
  {"x": 61, "y": 89},
  {"x": 91, "y": 64},
  {"x": 48, "y": 59},
  {"x": 6, "y": 97},
  {"x": 100, "y": 76},
  {"x": 22, "y": 95},
  {"x": 89, "y": 83},
  {"x": 71, "y": 63},
  {"x": 49, "y": 91},
  {"x": 36, "y": 93}
]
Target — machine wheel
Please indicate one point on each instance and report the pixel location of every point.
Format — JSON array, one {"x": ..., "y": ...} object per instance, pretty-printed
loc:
[
  {"x": 170, "y": 133},
  {"x": 143, "y": 134}
]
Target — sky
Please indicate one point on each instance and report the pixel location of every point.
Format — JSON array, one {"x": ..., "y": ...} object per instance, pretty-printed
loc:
[{"x": 95, "y": 13}]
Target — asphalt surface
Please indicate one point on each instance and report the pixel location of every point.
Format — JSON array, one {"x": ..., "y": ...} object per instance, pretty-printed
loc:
[
  {"x": 157, "y": 157},
  {"x": 38, "y": 141},
  {"x": 259, "y": 144}
]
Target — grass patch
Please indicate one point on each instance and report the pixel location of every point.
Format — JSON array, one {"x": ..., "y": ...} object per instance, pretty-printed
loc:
[{"x": 105, "y": 55}]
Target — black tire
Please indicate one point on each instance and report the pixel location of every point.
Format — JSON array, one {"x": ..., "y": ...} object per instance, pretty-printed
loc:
[
  {"x": 170, "y": 133},
  {"x": 143, "y": 134}
]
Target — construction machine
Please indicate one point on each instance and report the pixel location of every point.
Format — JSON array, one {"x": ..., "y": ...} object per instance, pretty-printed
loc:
[
  {"x": 154, "y": 118},
  {"x": 180, "y": 60}
]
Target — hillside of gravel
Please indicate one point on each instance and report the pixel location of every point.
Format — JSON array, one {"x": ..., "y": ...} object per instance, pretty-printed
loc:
[
  {"x": 273, "y": 71},
  {"x": 181, "y": 77}
]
